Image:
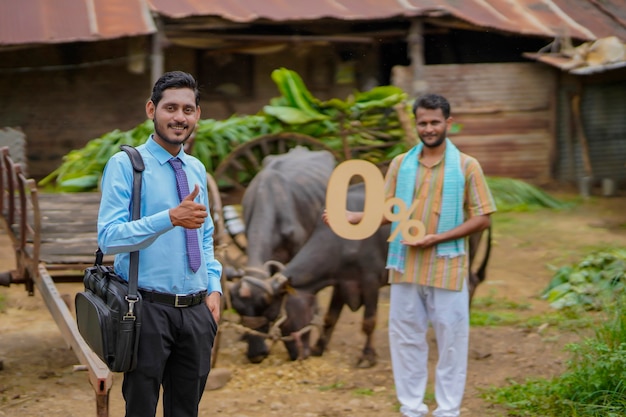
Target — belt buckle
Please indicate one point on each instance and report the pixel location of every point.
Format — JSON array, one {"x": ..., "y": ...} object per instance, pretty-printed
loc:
[{"x": 176, "y": 300}]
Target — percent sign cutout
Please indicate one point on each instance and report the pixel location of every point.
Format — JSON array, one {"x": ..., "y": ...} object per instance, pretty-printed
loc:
[{"x": 374, "y": 208}]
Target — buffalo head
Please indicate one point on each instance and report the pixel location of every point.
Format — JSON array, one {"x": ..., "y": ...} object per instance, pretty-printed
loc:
[{"x": 269, "y": 308}]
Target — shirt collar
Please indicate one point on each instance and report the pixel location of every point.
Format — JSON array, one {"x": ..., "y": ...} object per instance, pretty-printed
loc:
[{"x": 161, "y": 154}]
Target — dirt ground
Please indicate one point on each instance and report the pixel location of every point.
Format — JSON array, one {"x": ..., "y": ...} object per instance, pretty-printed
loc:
[{"x": 38, "y": 376}]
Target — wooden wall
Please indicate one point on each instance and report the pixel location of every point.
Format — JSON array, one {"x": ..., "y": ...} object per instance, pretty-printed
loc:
[
  {"x": 506, "y": 110},
  {"x": 506, "y": 114}
]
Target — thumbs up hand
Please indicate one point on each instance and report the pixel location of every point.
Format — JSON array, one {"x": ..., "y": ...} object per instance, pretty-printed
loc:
[
  {"x": 192, "y": 195},
  {"x": 188, "y": 213}
]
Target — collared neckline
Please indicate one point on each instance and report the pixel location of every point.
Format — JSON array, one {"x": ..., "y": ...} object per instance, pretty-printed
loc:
[
  {"x": 161, "y": 155},
  {"x": 420, "y": 159}
]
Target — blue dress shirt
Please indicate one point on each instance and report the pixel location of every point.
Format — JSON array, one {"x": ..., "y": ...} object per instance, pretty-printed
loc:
[{"x": 163, "y": 264}]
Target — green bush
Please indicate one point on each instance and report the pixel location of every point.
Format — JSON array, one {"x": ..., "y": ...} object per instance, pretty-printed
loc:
[
  {"x": 590, "y": 284},
  {"x": 593, "y": 384}
]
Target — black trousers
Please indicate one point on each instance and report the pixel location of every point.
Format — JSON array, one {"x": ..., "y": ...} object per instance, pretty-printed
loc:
[{"x": 175, "y": 352}]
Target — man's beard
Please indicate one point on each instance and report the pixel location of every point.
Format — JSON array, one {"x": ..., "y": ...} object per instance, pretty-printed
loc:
[
  {"x": 437, "y": 143},
  {"x": 165, "y": 138}
]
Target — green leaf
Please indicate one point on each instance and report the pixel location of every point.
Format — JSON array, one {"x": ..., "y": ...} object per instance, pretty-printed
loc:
[
  {"x": 84, "y": 183},
  {"x": 558, "y": 292},
  {"x": 290, "y": 115},
  {"x": 569, "y": 299},
  {"x": 380, "y": 93}
]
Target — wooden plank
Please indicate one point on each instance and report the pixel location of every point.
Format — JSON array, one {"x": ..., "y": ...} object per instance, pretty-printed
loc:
[
  {"x": 69, "y": 229},
  {"x": 522, "y": 156},
  {"x": 100, "y": 377}
]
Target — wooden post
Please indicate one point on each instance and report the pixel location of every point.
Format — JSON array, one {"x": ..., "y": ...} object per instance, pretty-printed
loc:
[
  {"x": 415, "y": 40},
  {"x": 580, "y": 133},
  {"x": 157, "y": 66}
]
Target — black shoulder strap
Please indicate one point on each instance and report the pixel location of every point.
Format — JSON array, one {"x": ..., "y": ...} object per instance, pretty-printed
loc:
[
  {"x": 135, "y": 157},
  {"x": 138, "y": 168}
]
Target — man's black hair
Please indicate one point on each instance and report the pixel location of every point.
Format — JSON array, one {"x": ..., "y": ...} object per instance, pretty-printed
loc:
[
  {"x": 432, "y": 102},
  {"x": 174, "y": 79}
]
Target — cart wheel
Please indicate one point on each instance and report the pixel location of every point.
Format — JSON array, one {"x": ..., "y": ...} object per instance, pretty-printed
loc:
[{"x": 237, "y": 170}]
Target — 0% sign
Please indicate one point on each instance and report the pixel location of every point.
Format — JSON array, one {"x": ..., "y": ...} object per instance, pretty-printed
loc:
[{"x": 374, "y": 209}]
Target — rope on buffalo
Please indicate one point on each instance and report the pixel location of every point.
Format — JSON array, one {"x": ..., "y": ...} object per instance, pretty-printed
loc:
[{"x": 274, "y": 334}]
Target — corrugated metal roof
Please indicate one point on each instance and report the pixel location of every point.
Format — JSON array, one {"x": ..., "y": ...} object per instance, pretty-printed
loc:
[
  {"x": 26, "y": 22},
  {"x": 579, "y": 19},
  {"x": 45, "y": 21}
]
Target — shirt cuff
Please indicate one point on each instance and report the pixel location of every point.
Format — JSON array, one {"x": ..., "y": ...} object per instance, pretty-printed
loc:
[
  {"x": 214, "y": 285},
  {"x": 161, "y": 221}
]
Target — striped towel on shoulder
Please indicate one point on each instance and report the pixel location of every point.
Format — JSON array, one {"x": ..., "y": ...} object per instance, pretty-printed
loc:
[{"x": 451, "y": 202}]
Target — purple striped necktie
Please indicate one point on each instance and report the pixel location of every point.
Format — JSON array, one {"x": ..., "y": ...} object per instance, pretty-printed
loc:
[{"x": 191, "y": 235}]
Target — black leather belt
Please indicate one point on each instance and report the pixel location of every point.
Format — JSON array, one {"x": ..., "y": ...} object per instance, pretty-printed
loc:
[{"x": 175, "y": 300}]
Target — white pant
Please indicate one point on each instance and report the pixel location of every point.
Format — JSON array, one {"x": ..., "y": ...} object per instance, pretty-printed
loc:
[{"x": 411, "y": 308}]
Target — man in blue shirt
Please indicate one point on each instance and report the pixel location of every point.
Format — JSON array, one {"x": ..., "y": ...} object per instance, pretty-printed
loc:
[{"x": 179, "y": 277}]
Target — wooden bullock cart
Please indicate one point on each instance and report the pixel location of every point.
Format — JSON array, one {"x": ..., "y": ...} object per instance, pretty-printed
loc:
[{"x": 54, "y": 239}]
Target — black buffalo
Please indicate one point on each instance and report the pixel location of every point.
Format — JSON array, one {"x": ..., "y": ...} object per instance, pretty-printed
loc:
[
  {"x": 355, "y": 269},
  {"x": 282, "y": 202}
]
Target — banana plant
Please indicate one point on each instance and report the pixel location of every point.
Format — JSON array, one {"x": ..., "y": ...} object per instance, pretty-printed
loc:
[{"x": 365, "y": 121}]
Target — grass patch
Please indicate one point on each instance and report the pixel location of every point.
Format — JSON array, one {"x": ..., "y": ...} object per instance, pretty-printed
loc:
[
  {"x": 516, "y": 195},
  {"x": 490, "y": 302},
  {"x": 364, "y": 392},
  {"x": 501, "y": 318},
  {"x": 593, "y": 384},
  {"x": 565, "y": 320},
  {"x": 336, "y": 385},
  {"x": 491, "y": 311}
]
